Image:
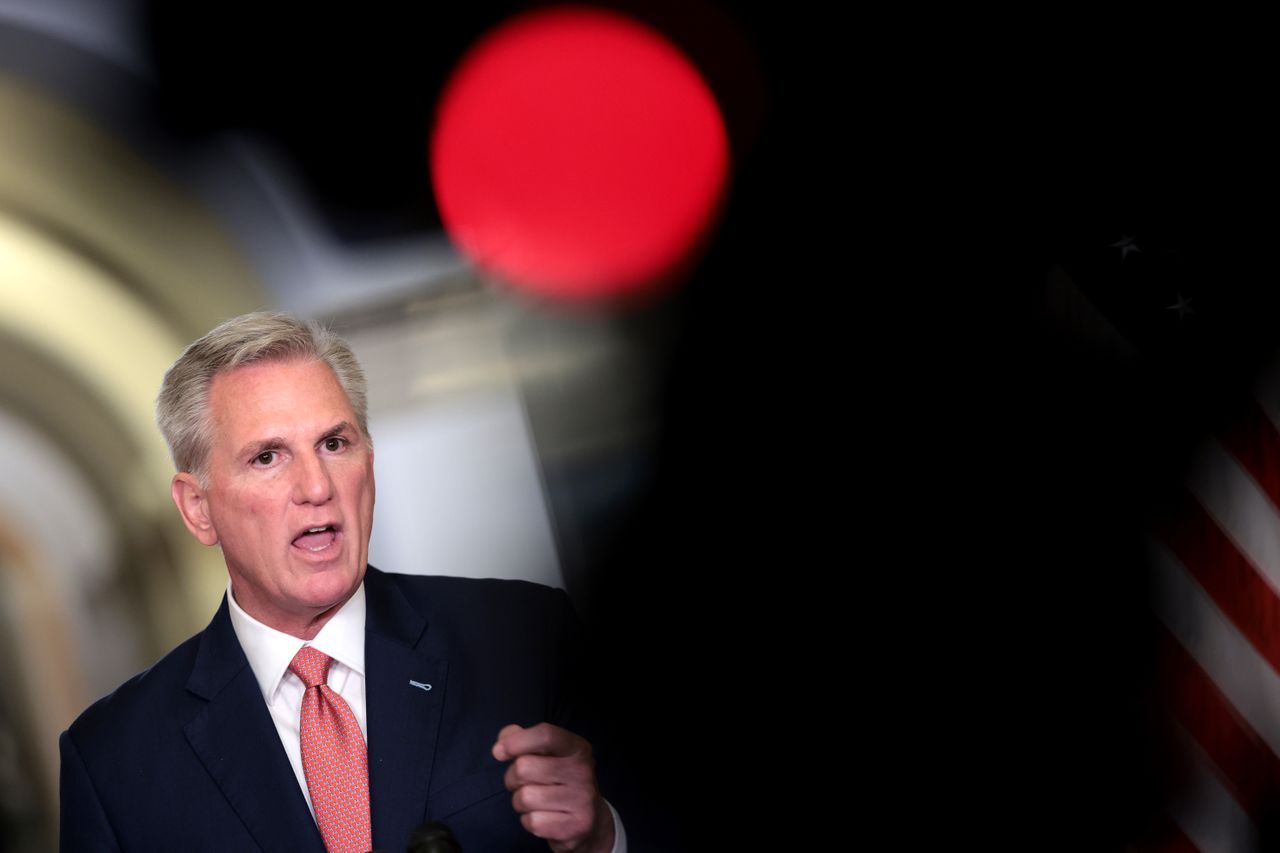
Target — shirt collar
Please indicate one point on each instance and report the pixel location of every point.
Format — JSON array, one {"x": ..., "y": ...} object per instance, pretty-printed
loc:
[{"x": 269, "y": 651}]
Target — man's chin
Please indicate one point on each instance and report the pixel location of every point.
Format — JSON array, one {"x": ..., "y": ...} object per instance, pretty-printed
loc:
[{"x": 332, "y": 588}]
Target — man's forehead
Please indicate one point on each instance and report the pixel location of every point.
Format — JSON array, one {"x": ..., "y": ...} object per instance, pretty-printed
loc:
[{"x": 247, "y": 395}]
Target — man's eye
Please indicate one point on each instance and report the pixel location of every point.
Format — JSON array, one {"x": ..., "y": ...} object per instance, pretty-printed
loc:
[
  {"x": 334, "y": 443},
  {"x": 266, "y": 457}
]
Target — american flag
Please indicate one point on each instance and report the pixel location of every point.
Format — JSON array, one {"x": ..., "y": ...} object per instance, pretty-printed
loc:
[{"x": 1174, "y": 321}]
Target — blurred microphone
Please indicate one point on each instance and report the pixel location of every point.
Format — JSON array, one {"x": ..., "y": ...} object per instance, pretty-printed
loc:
[{"x": 433, "y": 837}]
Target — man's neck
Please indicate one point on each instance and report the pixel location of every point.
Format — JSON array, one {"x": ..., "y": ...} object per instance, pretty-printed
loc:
[{"x": 303, "y": 628}]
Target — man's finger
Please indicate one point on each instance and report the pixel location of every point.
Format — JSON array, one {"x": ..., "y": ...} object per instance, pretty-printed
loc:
[
  {"x": 548, "y": 770},
  {"x": 570, "y": 799},
  {"x": 499, "y": 747},
  {"x": 555, "y": 826},
  {"x": 542, "y": 739}
]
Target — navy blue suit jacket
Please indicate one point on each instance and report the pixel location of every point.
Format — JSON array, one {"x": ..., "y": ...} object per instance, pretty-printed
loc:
[{"x": 185, "y": 756}]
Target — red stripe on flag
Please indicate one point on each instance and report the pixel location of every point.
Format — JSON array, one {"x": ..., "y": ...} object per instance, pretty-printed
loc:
[
  {"x": 1230, "y": 579},
  {"x": 1255, "y": 442},
  {"x": 1247, "y": 765}
]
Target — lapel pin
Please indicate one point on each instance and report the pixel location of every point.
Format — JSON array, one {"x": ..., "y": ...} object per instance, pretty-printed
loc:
[{"x": 420, "y": 685}]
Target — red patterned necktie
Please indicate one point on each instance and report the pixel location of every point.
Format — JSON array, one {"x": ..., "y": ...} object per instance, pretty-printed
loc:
[{"x": 333, "y": 758}]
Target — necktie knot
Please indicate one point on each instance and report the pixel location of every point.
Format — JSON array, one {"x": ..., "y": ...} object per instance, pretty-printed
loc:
[{"x": 311, "y": 665}]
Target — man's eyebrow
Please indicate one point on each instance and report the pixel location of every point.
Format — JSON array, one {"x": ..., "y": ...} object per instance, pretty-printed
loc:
[
  {"x": 254, "y": 448},
  {"x": 337, "y": 429}
]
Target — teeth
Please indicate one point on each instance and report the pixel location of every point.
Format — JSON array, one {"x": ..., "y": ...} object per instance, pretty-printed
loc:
[{"x": 317, "y": 530}]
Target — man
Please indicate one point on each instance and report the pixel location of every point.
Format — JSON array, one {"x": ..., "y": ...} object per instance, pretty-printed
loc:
[{"x": 327, "y": 705}]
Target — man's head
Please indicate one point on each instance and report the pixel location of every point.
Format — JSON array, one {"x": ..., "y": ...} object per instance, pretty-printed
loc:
[{"x": 265, "y": 417}]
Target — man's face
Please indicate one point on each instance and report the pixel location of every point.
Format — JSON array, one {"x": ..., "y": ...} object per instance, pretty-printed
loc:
[{"x": 290, "y": 492}]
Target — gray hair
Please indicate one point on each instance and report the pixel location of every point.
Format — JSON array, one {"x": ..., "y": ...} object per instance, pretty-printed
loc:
[{"x": 182, "y": 406}]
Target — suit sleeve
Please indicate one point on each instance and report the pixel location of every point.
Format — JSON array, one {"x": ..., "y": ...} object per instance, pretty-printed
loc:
[{"x": 82, "y": 824}]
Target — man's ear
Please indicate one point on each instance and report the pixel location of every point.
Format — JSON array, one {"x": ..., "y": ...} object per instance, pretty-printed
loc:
[{"x": 193, "y": 505}]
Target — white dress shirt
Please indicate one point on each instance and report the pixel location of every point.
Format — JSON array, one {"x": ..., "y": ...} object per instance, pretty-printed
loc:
[{"x": 342, "y": 638}]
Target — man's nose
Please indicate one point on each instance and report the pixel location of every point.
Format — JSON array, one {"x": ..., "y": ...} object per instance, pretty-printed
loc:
[{"x": 312, "y": 483}]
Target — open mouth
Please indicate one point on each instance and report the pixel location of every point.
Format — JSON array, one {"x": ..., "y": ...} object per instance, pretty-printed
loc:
[{"x": 316, "y": 539}]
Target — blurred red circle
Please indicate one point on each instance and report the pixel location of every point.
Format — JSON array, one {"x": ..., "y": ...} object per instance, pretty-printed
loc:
[{"x": 577, "y": 153}]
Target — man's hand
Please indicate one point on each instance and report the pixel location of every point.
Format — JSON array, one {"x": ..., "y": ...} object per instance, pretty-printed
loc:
[{"x": 553, "y": 780}]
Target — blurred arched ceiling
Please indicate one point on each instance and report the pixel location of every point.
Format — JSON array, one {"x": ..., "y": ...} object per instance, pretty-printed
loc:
[{"x": 106, "y": 268}]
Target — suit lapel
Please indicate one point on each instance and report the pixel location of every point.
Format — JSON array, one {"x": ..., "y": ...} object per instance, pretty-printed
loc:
[
  {"x": 234, "y": 737},
  {"x": 404, "y": 717}
]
